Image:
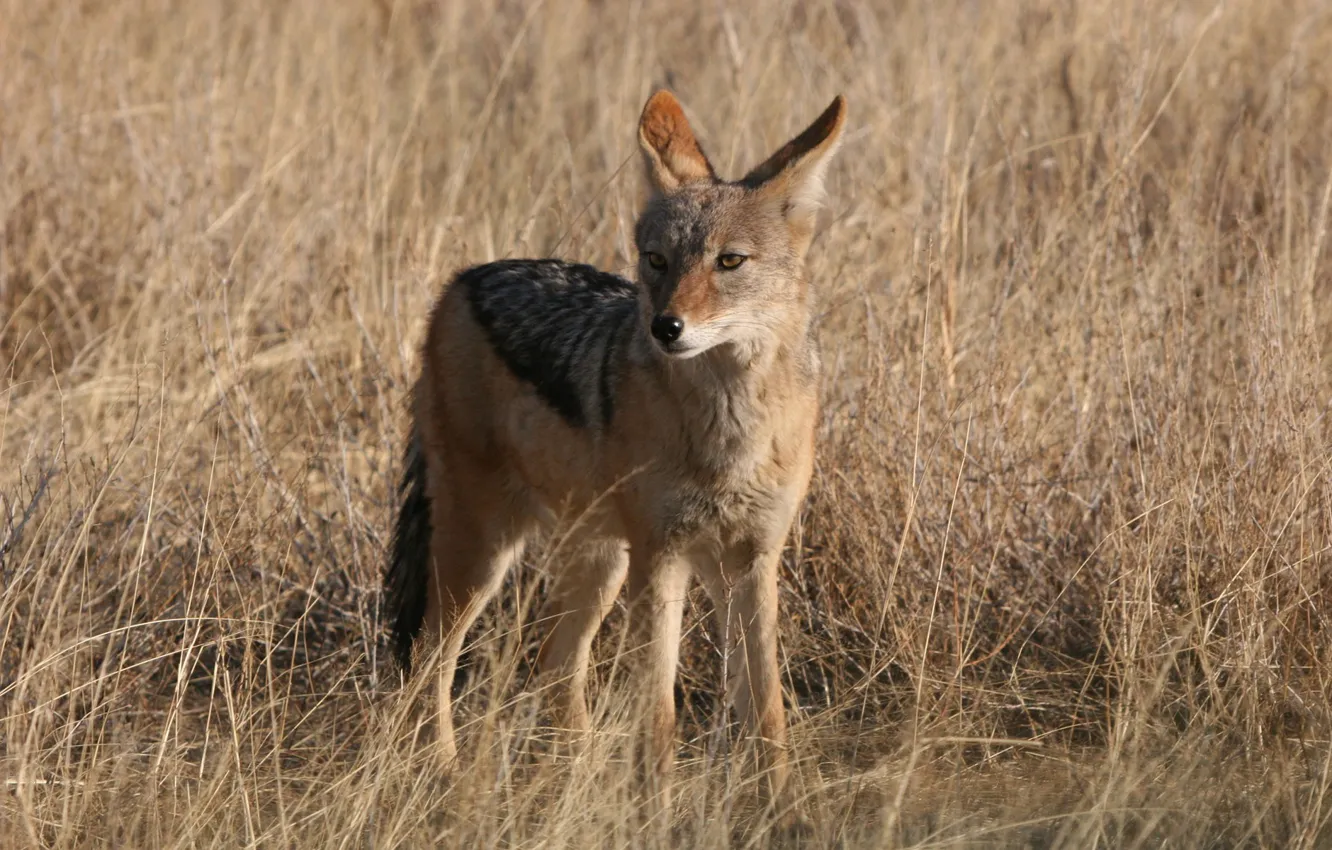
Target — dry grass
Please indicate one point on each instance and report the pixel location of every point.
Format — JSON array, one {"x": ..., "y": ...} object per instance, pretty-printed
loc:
[{"x": 1063, "y": 576}]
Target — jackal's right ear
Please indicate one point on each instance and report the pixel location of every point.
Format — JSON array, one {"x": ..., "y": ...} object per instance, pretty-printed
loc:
[{"x": 670, "y": 151}]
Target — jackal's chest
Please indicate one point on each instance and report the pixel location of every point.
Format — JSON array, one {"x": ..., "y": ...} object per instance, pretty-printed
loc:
[
  {"x": 730, "y": 497},
  {"x": 690, "y": 512}
]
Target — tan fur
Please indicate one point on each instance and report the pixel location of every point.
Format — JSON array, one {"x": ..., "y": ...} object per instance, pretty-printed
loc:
[{"x": 701, "y": 470}]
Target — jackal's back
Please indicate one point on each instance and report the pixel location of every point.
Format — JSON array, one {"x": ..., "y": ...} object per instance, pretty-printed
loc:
[{"x": 558, "y": 327}]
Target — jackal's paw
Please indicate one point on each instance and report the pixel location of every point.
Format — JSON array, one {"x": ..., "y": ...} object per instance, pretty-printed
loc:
[
  {"x": 444, "y": 753},
  {"x": 792, "y": 830}
]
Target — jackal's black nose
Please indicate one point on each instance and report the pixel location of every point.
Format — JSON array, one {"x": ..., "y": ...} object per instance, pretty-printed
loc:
[{"x": 667, "y": 328}]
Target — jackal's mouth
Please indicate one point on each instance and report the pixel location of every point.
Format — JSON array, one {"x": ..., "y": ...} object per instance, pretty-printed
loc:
[{"x": 679, "y": 349}]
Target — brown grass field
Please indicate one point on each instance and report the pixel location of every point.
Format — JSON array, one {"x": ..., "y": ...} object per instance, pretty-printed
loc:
[{"x": 1063, "y": 576}]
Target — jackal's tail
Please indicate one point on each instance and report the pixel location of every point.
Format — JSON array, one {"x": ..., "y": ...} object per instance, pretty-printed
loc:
[{"x": 405, "y": 580}]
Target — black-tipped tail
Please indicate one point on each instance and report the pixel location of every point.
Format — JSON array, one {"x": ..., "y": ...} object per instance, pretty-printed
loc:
[{"x": 405, "y": 581}]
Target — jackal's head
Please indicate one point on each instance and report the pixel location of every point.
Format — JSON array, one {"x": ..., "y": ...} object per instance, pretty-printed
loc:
[{"x": 722, "y": 262}]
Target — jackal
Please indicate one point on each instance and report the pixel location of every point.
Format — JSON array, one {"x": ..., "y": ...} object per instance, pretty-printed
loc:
[{"x": 674, "y": 417}]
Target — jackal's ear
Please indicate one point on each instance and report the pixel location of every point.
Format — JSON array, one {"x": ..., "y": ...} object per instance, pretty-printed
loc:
[
  {"x": 795, "y": 172},
  {"x": 670, "y": 151}
]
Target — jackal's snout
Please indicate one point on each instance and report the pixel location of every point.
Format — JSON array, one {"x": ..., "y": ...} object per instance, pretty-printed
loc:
[
  {"x": 681, "y": 311},
  {"x": 681, "y": 315},
  {"x": 666, "y": 328}
]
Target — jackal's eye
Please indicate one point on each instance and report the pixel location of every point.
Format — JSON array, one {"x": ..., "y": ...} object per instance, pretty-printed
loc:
[
  {"x": 656, "y": 261},
  {"x": 730, "y": 261}
]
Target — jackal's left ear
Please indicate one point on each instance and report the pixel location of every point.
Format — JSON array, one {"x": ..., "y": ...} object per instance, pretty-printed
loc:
[
  {"x": 670, "y": 151},
  {"x": 795, "y": 172}
]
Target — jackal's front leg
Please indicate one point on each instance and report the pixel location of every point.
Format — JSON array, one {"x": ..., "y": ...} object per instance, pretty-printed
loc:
[
  {"x": 657, "y": 587},
  {"x": 746, "y": 596}
]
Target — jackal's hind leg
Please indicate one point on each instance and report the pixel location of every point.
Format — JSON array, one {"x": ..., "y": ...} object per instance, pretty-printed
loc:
[
  {"x": 584, "y": 593},
  {"x": 471, "y": 549}
]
